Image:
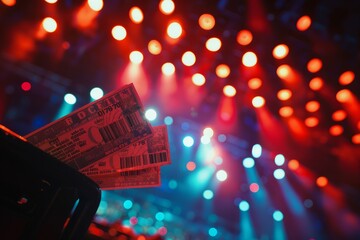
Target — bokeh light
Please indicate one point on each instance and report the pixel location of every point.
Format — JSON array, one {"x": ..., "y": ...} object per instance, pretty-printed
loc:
[
  {"x": 278, "y": 216},
  {"x": 167, "y": 6},
  {"x": 221, "y": 175},
  {"x": 49, "y": 24},
  {"x": 136, "y": 15},
  {"x": 118, "y": 32},
  {"x": 244, "y": 37},
  {"x": 213, "y": 44},
  {"x": 70, "y": 98},
  {"x": 206, "y": 21},
  {"x": 303, "y": 23},
  {"x": 150, "y": 114},
  {"x": 280, "y": 51},
  {"x": 198, "y": 79},
  {"x": 244, "y": 206},
  {"x": 96, "y": 93},
  {"x": 249, "y": 59},
  {"x": 188, "y": 141}
]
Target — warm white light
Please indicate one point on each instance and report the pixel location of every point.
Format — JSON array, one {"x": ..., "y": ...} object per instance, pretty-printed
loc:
[
  {"x": 166, "y": 6},
  {"x": 213, "y": 44},
  {"x": 168, "y": 69},
  {"x": 49, "y": 24},
  {"x": 174, "y": 30},
  {"x": 118, "y": 32},
  {"x": 198, "y": 79},
  {"x": 136, "y": 57},
  {"x": 188, "y": 58},
  {"x": 95, "y": 5},
  {"x": 136, "y": 15}
]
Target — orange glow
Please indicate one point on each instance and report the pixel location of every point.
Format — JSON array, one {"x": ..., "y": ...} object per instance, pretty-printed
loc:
[
  {"x": 297, "y": 127},
  {"x": 222, "y": 70},
  {"x": 280, "y": 51},
  {"x": 284, "y": 71},
  {"x": 213, "y": 44},
  {"x": 339, "y": 115},
  {"x": 312, "y": 106},
  {"x": 85, "y": 16},
  {"x": 356, "y": 138},
  {"x": 166, "y": 6},
  {"x": 336, "y": 130},
  {"x": 154, "y": 47},
  {"x": 174, "y": 30},
  {"x": 344, "y": 95},
  {"x": 136, "y": 15},
  {"x": 9, "y": 3},
  {"x": 118, "y": 32},
  {"x": 322, "y": 181},
  {"x": 258, "y": 102},
  {"x": 198, "y": 79},
  {"x": 284, "y": 94},
  {"x": 311, "y": 121},
  {"x": 190, "y": 166},
  {"x": 244, "y": 37},
  {"x": 206, "y": 21},
  {"x": 346, "y": 77},
  {"x": 249, "y": 59},
  {"x": 316, "y": 83},
  {"x": 314, "y": 65},
  {"x": 303, "y": 23},
  {"x": 227, "y": 109},
  {"x": 286, "y": 111},
  {"x": 229, "y": 91},
  {"x": 254, "y": 83},
  {"x": 293, "y": 164},
  {"x": 188, "y": 58}
]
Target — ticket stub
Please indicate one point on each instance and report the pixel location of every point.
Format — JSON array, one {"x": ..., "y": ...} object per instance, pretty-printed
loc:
[
  {"x": 146, "y": 177},
  {"x": 95, "y": 130},
  {"x": 150, "y": 152}
]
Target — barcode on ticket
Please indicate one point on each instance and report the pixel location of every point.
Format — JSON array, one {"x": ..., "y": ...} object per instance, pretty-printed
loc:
[{"x": 142, "y": 160}]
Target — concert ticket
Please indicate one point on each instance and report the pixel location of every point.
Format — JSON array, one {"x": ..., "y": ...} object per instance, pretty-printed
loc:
[
  {"x": 95, "y": 130},
  {"x": 153, "y": 151},
  {"x": 146, "y": 177}
]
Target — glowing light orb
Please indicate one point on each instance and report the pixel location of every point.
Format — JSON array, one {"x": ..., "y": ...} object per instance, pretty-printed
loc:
[
  {"x": 154, "y": 47},
  {"x": 248, "y": 162},
  {"x": 286, "y": 111},
  {"x": 244, "y": 37},
  {"x": 322, "y": 181},
  {"x": 222, "y": 71},
  {"x": 167, "y": 6},
  {"x": 316, "y": 83},
  {"x": 26, "y": 86},
  {"x": 49, "y": 24},
  {"x": 118, "y": 32},
  {"x": 127, "y": 204},
  {"x": 208, "y": 194},
  {"x": 213, "y": 232},
  {"x": 293, "y": 164},
  {"x": 70, "y": 98},
  {"x": 314, "y": 65},
  {"x": 303, "y": 23},
  {"x": 136, "y": 15},
  {"x": 188, "y": 58},
  {"x": 208, "y": 131},
  {"x": 254, "y": 187},
  {"x": 229, "y": 91},
  {"x": 258, "y": 102},
  {"x": 150, "y": 114},
  {"x": 279, "y": 159},
  {"x": 168, "y": 120},
  {"x": 249, "y": 59},
  {"x": 136, "y": 57},
  {"x": 256, "y": 150},
  {"x": 188, "y": 141},
  {"x": 284, "y": 94},
  {"x": 213, "y": 44},
  {"x": 96, "y": 93},
  {"x": 221, "y": 175},
  {"x": 174, "y": 30},
  {"x": 254, "y": 83},
  {"x": 168, "y": 69},
  {"x": 280, "y": 51},
  {"x": 244, "y": 206},
  {"x": 343, "y": 95},
  {"x": 339, "y": 115},
  {"x": 278, "y": 216},
  {"x": 279, "y": 173},
  {"x": 346, "y": 77},
  {"x": 206, "y": 21},
  {"x": 95, "y": 5},
  {"x": 198, "y": 79}
]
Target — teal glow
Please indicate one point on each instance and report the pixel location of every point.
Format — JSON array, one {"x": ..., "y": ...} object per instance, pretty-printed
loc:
[
  {"x": 173, "y": 184},
  {"x": 188, "y": 141},
  {"x": 279, "y": 173},
  {"x": 279, "y": 160},
  {"x": 248, "y": 162},
  {"x": 246, "y": 226},
  {"x": 160, "y": 216},
  {"x": 213, "y": 232},
  {"x": 168, "y": 120},
  {"x": 244, "y": 206},
  {"x": 128, "y": 204},
  {"x": 256, "y": 151},
  {"x": 64, "y": 110},
  {"x": 278, "y": 216},
  {"x": 208, "y": 194}
]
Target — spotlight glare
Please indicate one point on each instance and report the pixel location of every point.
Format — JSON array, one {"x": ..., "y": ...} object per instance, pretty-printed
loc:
[
  {"x": 279, "y": 159},
  {"x": 118, "y": 32},
  {"x": 222, "y": 71},
  {"x": 280, "y": 51},
  {"x": 188, "y": 58},
  {"x": 154, "y": 47},
  {"x": 136, "y": 15},
  {"x": 249, "y": 59},
  {"x": 70, "y": 98},
  {"x": 209, "y": 132},
  {"x": 174, "y": 30},
  {"x": 96, "y": 5},
  {"x": 229, "y": 91},
  {"x": 206, "y": 21},
  {"x": 168, "y": 69},
  {"x": 136, "y": 57},
  {"x": 166, "y": 7},
  {"x": 248, "y": 162},
  {"x": 96, "y": 93},
  {"x": 244, "y": 37},
  {"x": 256, "y": 150},
  {"x": 198, "y": 79},
  {"x": 244, "y": 206},
  {"x": 49, "y": 24},
  {"x": 221, "y": 175},
  {"x": 278, "y": 216},
  {"x": 208, "y": 194},
  {"x": 258, "y": 102},
  {"x": 279, "y": 173},
  {"x": 188, "y": 141},
  {"x": 150, "y": 114},
  {"x": 213, "y": 44}
]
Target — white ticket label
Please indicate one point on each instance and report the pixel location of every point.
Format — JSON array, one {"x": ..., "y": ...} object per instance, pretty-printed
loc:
[
  {"x": 153, "y": 151},
  {"x": 95, "y": 130},
  {"x": 147, "y": 177}
]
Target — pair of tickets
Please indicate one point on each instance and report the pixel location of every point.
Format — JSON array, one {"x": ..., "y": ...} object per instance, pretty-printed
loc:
[{"x": 110, "y": 141}]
